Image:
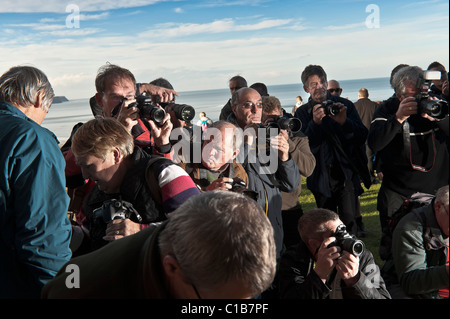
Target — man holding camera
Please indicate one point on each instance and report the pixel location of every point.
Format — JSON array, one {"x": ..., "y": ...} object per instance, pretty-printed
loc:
[
  {"x": 301, "y": 154},
  {"x": 214, "y": 166},
  {"x": 267, "y": 179},
  {"x": 148, "y": 187},
  {"x": 328, "y": 263},
  {"x": 412, "y": 146},
  {"x": 337, "y": 139}
]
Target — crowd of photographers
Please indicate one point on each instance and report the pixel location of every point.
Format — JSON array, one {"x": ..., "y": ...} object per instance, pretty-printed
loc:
[{"x": 136, "y": 169}]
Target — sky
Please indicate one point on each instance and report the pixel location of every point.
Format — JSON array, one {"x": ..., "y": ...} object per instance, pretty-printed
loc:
[{"x": 200, "y": 45}]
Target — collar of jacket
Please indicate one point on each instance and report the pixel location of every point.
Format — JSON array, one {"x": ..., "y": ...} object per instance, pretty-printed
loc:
[{"x": 150, "y": 267}]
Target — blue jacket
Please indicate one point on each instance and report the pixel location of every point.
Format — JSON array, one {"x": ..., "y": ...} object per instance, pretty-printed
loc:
[{"x": 34, "y": 229}]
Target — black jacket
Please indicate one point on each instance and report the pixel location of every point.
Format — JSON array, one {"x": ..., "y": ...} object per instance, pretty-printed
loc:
[
  {"x": 350, "y": 137},
  {"x": 298, "y": 280},
  {"x": 426, "y": 149}
]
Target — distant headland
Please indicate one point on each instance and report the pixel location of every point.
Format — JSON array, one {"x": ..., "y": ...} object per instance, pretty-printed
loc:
[{"x": 60, "y": 99}]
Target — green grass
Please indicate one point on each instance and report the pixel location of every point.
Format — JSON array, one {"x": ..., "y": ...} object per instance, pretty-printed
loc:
[{"x": 369, "y": 213}]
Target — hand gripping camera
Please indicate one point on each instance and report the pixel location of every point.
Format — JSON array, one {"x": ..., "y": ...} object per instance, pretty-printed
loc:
[
  {"x": 434, "y": 107},
  {"x": 347, "y": 242},
  {"x": 146, "y": 109},
  {"x": 116, "y": 209},
  {"x": 330, "y": 107}
]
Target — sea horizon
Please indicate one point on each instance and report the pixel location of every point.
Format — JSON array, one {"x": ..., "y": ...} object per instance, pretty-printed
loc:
[{"x": 64, "y": 115}]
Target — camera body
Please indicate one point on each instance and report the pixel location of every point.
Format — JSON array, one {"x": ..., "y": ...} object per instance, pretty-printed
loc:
[
  {"x": 116, "y": 209},
  {"x": 347, "y": 242},
  {"x": 239, "y": 186},
  {"x": 330, "y": 107},
  {"x": 146, "y": 109},
  {"x": 427, "y": 104}
]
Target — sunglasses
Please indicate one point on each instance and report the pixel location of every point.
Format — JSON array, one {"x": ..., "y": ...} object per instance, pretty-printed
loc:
[{"x": 335, "y": 90}]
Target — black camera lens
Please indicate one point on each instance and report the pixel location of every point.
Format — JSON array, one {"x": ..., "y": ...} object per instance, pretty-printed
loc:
[
  {"x": 434, "y": 108},
  {"x": 184, "y": 112},
  {"x": 291, "y": 124},
  {"x": 147, "y": 110}
]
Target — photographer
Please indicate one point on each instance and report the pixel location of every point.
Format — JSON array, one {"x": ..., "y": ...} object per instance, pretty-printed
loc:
[
  {"x": 218, "y": 166},
  {"x": 190, "y": 256},
  {"x": 301, "y": 154},
  {"x": 411, "y": 145},
  {"x": 106, "y": 153},
  {"x": 337, "y": 139},
  {"x": 247, "y": 110},
  {"x": 322, "y": 267}
]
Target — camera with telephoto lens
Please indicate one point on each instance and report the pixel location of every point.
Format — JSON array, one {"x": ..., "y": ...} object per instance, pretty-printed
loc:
[
  {"x": 330, "y": 107},
  {"x": 239, "y": 186},
  {"x": 284, "y": 123},
  {"x": 182, "y": 112},
  {"x": 347, "y": 242},
  {"x": 147, "y": 110},
  {"x": 435, "y": 108},
  {"x": 116, "y": 209}
]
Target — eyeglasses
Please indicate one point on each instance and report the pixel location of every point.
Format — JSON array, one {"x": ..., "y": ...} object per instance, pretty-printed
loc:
[
  {"x": 335, "y": 90},
  {"x": 249, "y": 105}
]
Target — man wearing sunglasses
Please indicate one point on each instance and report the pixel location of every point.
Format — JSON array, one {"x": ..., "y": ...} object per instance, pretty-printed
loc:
[
  {"x": 334, "y": 88},
  {"x": 247, "y": 113}
]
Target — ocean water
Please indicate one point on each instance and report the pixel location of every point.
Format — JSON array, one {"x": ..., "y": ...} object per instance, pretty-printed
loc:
[{"x": 63, "y": 116}]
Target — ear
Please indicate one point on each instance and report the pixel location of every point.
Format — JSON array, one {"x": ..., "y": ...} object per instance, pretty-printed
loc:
[
  {"x": 305, "y": 88},
  {"x": 171, "y": 267},
  {"x": 118, "y": 156},
  {"x": 99, "y": 99},
  {"x": 39, "y": 99},
  {"x": 233, "y": 108},
  {"x": 235, "y": 153}
]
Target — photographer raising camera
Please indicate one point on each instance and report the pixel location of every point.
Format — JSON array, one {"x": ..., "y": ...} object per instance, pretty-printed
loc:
[{"x": 328, "y": 263}]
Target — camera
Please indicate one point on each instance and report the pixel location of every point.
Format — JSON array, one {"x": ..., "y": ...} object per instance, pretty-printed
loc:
[
  {"x": 347, "y": 242},
  {"x": 115, "y": 209},
  {"x": 239, "y": 186},
  {"x": 285, "y": 123},
  {"x": 427, "y": 104},
  {"x": 182, "y": 112},
  {"x": 330, "y": 107},
  {"x": 146, "y": 109}
]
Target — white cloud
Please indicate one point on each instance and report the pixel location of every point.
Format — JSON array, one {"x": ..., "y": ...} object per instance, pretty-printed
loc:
[
  {"x": 219, "y": 26},
  {"x": 178, "y": 10},
  {"x": 60, "y": 6}
]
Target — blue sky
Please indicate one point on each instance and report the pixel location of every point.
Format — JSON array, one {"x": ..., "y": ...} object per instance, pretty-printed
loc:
[{"x": 201, "y": 44}]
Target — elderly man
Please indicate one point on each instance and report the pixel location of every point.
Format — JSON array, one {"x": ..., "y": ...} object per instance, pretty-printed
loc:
[
  {"x": 130, "y": 183},
  {"x": 35, "y": 231},
  {"x": 412, "y": 146},
  {"x": 197, "y": 253},
  {"x": 217, "y": 167},
  {"x": 268, "y": 183}
]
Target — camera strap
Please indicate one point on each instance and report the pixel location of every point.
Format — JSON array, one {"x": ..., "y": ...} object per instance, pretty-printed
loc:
[{"x": 407, "y": 147}]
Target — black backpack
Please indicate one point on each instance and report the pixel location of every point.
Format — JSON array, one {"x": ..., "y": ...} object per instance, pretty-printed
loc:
[{"x": 412, "y": 202}]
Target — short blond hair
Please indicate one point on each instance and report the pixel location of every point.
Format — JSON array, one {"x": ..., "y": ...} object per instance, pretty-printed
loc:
[{"x": 100, "y": 136}]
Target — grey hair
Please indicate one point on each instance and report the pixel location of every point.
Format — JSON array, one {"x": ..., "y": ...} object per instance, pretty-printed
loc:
[
  {"x": 20, "y": 85},
  {"x": 219, "y": 236},
  {"x": 406, "y": 76},
  {"x": 442, "y": 195},
  {"x": 311, "y": 224}
]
